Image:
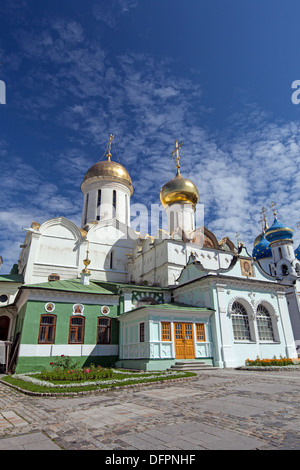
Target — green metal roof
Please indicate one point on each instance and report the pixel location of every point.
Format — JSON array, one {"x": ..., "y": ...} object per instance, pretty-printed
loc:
[
  {"x": 172, "y": 306},
  {"x": 119, "y": 286},
  {"x": 71, "y": 285},
  {"x": 94, "y": 287}
]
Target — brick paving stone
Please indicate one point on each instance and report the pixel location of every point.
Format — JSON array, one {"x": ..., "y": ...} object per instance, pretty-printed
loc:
[{"x": 221, "y": 409}]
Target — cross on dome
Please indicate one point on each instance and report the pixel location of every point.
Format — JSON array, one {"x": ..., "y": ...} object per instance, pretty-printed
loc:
[
  {"x": 273, "y": 205},
  {"x": 177, "y": 158},
  {"x": 111, "y": 137}
]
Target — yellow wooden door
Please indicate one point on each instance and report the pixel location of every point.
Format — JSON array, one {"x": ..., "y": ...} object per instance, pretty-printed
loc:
[
  {"x": 179, "y": 343},
  {"x": 184, "y": 341},
  {"x": 189, "y": 341}
]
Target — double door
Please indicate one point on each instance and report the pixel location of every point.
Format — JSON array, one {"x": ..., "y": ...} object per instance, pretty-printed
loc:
[{"x": 184, "y": 341}]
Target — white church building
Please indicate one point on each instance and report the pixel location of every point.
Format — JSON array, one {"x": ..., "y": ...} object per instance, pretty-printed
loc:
[{"x": 104, "y": 293}]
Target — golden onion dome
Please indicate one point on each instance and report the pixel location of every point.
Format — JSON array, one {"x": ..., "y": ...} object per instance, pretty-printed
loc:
[
  {"x": 109, "y": 170},
  {"x": 179, "y": 190}
]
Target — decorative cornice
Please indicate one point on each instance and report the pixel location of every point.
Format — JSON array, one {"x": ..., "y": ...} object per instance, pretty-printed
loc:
[{"x": 230, "y": 282}]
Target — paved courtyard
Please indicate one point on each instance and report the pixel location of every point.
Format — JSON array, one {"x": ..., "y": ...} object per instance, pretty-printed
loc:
[{"x": 219, "y": 410}]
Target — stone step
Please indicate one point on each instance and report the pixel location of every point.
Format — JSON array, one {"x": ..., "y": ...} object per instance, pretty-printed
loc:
[{"x": 195, "y": 365}]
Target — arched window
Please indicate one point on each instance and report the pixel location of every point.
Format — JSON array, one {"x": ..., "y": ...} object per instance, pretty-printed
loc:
[
  {"x": 47, "y": 329},
  {"x": 76, "y": 331},
  {"x": 284, "y": 269},
  {"x": 86, "y": 208},
  {"x": 264, "y": 324},
  {"x": 98, "y": 204},
  {"x": 104, "y": 330},
  {"x": 240, "y": 322},
  {"x": 111, "y": 260}
]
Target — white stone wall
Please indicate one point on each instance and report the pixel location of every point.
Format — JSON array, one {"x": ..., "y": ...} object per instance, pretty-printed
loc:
[{"x": 220, "y": 295}]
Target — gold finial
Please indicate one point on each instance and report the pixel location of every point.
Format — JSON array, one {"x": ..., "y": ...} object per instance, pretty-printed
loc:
[
  {"x": 263, "y": 219},
  {"x": 111, "y": 136},
  {"x": 177, "y": 158},
  {"x": 273, "y": 208},
  {"x": 86, "y": 261}
]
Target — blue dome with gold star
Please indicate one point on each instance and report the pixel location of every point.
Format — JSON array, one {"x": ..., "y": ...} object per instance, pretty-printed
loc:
[
  {"x": 297, "y": 252},
  {"x": 278, "y": 231},
  {"x": 262, "y": 249}
]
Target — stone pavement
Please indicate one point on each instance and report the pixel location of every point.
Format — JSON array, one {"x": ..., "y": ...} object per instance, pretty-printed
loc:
[{"x": 219, "y": 410}]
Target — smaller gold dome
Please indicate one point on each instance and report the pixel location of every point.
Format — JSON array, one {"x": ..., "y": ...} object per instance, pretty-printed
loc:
[{"x": 179, "y": 190}]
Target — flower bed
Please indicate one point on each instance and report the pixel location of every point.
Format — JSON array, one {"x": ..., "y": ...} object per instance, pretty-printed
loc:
[
  {"x": 119, "y": 379},
  {"x": 67, "y": 377},
  {"x": 282, "y": 361}
]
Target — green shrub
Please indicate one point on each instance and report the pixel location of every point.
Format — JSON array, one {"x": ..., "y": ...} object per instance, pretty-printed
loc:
[{"x": 64, "y": 369}]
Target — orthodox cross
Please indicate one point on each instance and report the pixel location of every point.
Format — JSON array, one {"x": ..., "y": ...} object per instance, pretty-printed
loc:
[
  {"x": 263, "y": 218},
  {"x": 111, "y": 136},
  {"x": 177, "y": 158},
  {"x": 273, "y": 205},
  {"x": 237, "y": 238}
]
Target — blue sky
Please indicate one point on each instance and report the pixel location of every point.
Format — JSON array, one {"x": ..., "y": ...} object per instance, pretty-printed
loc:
[{"x": 215, "y": 74}]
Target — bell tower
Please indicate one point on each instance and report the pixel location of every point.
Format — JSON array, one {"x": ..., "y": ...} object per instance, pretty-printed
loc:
[{"x": 284, "y": 265}]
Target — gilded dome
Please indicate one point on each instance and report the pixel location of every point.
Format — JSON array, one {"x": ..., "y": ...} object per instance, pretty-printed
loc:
[
  {"x": 109, "y": 170},
  {"x": 179, "y": 190}
]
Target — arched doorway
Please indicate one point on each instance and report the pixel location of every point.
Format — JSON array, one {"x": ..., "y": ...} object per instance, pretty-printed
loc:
[{"x": 4, "y": 327}]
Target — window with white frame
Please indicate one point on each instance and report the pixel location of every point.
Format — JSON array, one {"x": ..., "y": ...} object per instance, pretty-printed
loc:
[
  {"x": 240, "y": 322},
  {"x": 264, "y": 324}
]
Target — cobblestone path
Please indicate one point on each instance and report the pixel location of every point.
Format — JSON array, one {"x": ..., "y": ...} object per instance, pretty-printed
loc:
[{"x": 219, "y": 409}]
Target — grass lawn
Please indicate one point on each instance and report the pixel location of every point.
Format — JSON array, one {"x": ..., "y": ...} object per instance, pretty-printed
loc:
[{"x": 34, "y": 384}]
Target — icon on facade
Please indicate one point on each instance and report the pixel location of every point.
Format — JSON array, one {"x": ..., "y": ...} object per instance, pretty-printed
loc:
[
  {"x": 246, "y": 267},
  {"x": 78, "y": 309},
  {"x": 49, "y": 307},
  {"x": 105, "y": 310}
]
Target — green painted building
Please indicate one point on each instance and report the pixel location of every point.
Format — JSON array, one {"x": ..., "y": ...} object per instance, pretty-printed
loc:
[{"x": 72, "y": 319}]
